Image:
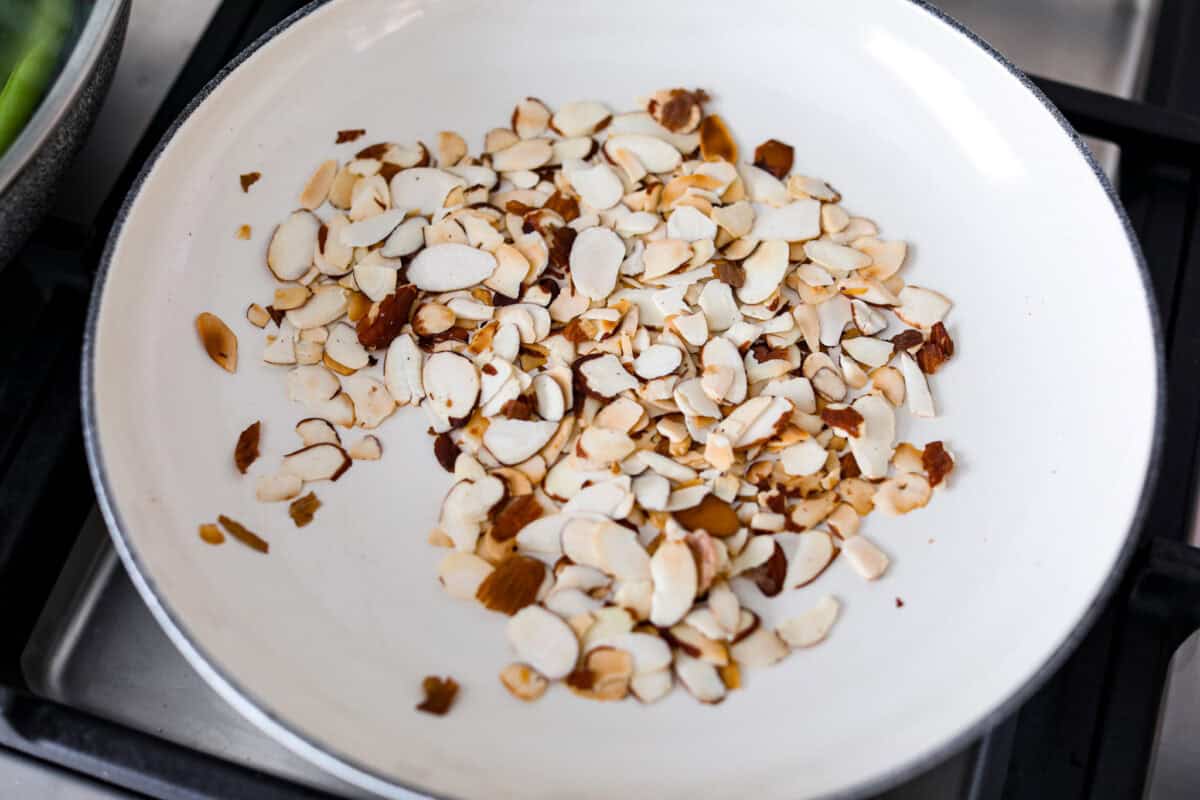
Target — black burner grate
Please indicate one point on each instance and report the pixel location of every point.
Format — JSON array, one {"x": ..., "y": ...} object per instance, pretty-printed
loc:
[{"x": 1087, "y": 733}]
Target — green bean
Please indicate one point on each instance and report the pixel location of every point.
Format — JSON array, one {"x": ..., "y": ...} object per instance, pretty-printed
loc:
[{"x": 36, "y": 61}]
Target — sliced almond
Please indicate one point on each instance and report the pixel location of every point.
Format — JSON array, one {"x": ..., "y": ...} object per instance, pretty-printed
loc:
[
  {"x": 812, "y": 626},
  {"x": 367, "y": 448},
  {"x": 327, "y": 304},
  {"x": 290, "y": 253},
  {"x": 765, "y": 269},
  {"x": 673, "y": 571},
  {"x": 318, "y": 186},
  {"x": 277, "y": 488},
  {"x": 526, "y": 154},
  {"x": 716, "y": 142},
  {"x": 886, "y": 257},
  {"x": 316, "y": 462},
  {"x": 446, "y": 267},
  {"x": 922, "y": 308},
  {"x": 512, "y": 441},
  {"x": 451, "y": 384},
  {"x": 808, "y": 554},
  {"x": 655, "y": 154},
  {"x": 462, "y": 573},
  {"x": 218, "y": 341},
  {"x": 761, "y": 648},
  {"x": 916, "y": 387},
  {"x": 606, "y": 376},
  {"x": 700, "y": 678},
  {"x": 595, "y": 258},
  {"x": 314, "y": 430},
  {"x": 865, "y": 558},
  {"x": 372, "y": 402},
  {"x": 544, "y": 641},
  {"x": 805, "y": 458},
  {"x": 796, "y": 221},
  {"x": 903, "y": 493},
  {"x": 523, "y": 682},
  {"x": 580, "y": 118}
]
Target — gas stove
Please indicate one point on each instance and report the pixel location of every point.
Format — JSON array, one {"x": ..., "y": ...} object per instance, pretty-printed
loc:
[{"x": 96, "y": 702}]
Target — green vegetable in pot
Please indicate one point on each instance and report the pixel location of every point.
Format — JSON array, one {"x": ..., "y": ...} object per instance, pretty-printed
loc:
[{"x": 32, "y": 35}]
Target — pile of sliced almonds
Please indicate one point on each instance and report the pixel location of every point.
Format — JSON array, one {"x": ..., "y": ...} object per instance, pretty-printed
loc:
[{"x": 660, "y": 375}]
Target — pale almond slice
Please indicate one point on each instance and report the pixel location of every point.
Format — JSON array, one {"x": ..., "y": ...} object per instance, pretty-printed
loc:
[
  {"x": 344, "y": 348},
  {"x": 367, "y": 448},
  {"x": 867, "y": 319},
  {"x": 738, "y": 219},
  {"x": 758, "y": 551},
  {"x": 551, "y": 403},
  {"x": 688, "y": 497},
  {"x": 474, "y": 174},
  {"x": 652, "y": 491},
  {"x": 719, "y": 307},
  {"x": 526, "y": 154},
  {"x": 664, "y": 256},
  {"x": 523, "y": 682},
  {"x": 568, "y": 603},
  {"x": 689, "y": 224},
  {"x": 692, "y": 400},
  {"x": 375, "y": 280},
  {"x": 698, "y": 645},
  {"x": 692, "y": 328},
  {"x": 371, "y": 230},
  {"x": 867, "y": 289},
  {"x": 402, "y": 370},
  {"x": 542, "y": 538},
  {"x": 868, "y": 350},
  {"x": 604, "y": 446},
  {"x": 465, "y": 507},
  {"x": 922, "y": 308},
  {"x": 497, "y": 139},
  {"x": 812, "y": 626},
  {"x": 650, "y": 652},
  {"x": 763, "y": 187},
  {"x": 656, "y": 361},
  {"x": 725, "y": 607},
  {"x": 641, "y": 122},
  {"x": 765, "y": 269},
  {"x": 761, "y": 648},
  {"x": 673, "y": 571},
  {"x": 767, "y": 424},
  {"x": 316, "y": 462},
  {"x": 327, "y": 304},
  {"x": 916, "y": 387},
  {"x": 451, "y": 384},
  {"x": 834, "y": 315},
  {"x": 610, "y": 498},
  {"x": 886, "y": 257},
  {"x": 595, "y": 258},
  {"x": 314, "y": 430},
  {"x": 318, "y": 185},
  {"x": 290, "y": 253},
  {"x": 797, "y": 221},
  {"x": 805, "y": 458},
  {"x": 622, "y": 414},
  {"x": 798, "y": 390},
  {"x": 598, "y": 186},
  {"x": 407, "y": 238},
  {"x": 833, "y": 218},
  {"x": 700, "y": 678},
  {"x": 581, "y": 118},
  {"x": 807, "y": 554},
  {"x": 369, "y": 197},
  {"x": 873, "y": 448},
  {"x": 655, "y": 154},
  {"x": 461, "y": 574},
  {"x": 372, "y": 402},
  {"x": 311, "y": 385},
  {"x": 423, "y": 189},
  {"x": 544, "y": 641},
  {"x": 446, "y": 267},
  {"x": 606, "y": 376},
  {"x": 277, "y": 488},
  {"x": 638, "y": 223},
  {"x": 803, "y": 186},
  {"x": 903, "y": 493},
  {"x": 451, "y": 148},
  {"x": 512, "y": 441},
  {"x": 835, "y": 256},
  {"x": 865, "y": 558}
]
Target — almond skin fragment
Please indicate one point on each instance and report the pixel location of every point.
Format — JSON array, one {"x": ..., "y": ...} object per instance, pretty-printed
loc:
[
  {"x": 512, "y": 585},
  {"x": 350, "y": 135},
  {"x": 246, "y": 450},
  {"x": 711, "y": 514},
  {"x": 775, "y": 157},
  {"x": 937, "y": 463},
  {"x": 716, "y": 143},
  {"x": 244, "y": 535},
  {"x": 936, "y": 351},
  {"x": 243, "y": 232},
  {"x": 377, "y": 329},
  {"x": 446, "y": 451},
  {"x": 516, "y": 514},
  {"x": 249, "y": 179},
  {"x": 211, "y": 534},
  {"x": 219, "y": 341},
  {"x": 846, "y": 419},
  {"x": 439, "y": 695},
  {"x": 302, "y": 509},
  {"x": 769, "y": 577}
]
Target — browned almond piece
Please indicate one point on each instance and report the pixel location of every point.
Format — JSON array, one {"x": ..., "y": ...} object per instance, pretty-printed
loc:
[
  {"x": 731, "y": 273},
  {"x": 937, "y": 462},
  {"x": 523, "y": 682},
  {"x": 845, "y": 419},
  {"x": 211, "y": 534},
  {"x": 716, "y": 143},
  {"x": 319, "y": 184},
  {"x": 604, "y": 675},
  {"x": 350, "y": 135},
  {"x": 769, "y": 577},
  {"x": 384, "y": 322},
  {"x": 248, "y": 179},
  {"x": 678, "y": 110},
  {"x": 243, "y": 232},
  {"x": 244, "y": 535},
  {"x": 445, "y": 451},
  {"x": 712, "y": 514},
  {"x": 512, "y": 585},
  {"x": 775, "y": 157},
  {"x": 731, "y": 675},
  {"x": 246, "y": 450},
  {"x": 439, "y": 695},
  {"x": 906, "y": 339},
  {"x": 290, "y": 297},
  {"x": 258, "y": 316},
  {"x": 219, "y": 341},
  {"x": 302, "y": 509},
  {"x": 516, "y": 514}
]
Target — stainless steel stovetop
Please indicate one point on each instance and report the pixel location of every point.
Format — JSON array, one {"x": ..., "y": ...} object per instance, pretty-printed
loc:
[{"x": 98, "y": 649}]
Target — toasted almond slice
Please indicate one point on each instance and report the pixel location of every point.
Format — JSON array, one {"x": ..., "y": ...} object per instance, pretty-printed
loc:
[
  {"x": 716, "y": 142},
  {"x": 466, "y": 506},
  {"x": 461, "y": 573},
  {"x": 451, "y": 384},
  {"x": 512, "y": 441},
  {"x": 689, "y": 224},
  {"x": 804, "y": 458},
  {"x": 372, "y": 402},
  {"x": 673, "y": 571},
  {"x": 311, "y": 384},
  {"x": 761, "y": 648},
  {"x": 498, "y": 139},
  {"x": 317, "y": 188},
  {"x": 765, "y": 269},
  {"x": 451, "y": 148},
  {"x": 916, "y": 387},
  {"x": 523, "y": 682},
  {"x": 277, "y": 488},
  {"x": 327, "y": 304},
  {"x": 580, "y": 118},
  {"x": 796, "y": 221},
  {"x": 719, "y": 307},
  {"x": 525, "y": 154},
  {"x": 922, "y": 308},
  {"x": 698, "y": 645},
  {"x": 867, "y": 319},
  {"x": 402, "y": 370},
  {"x": 657, "y": 360},
  {"x": 595, "y": 258},
  {"x": 257, "y": 316},
  {"x": 868, "y": 350},
  {"x": 544, "y": 641},
  {"x": 834, "y": 219},
  {"x": 808, "y": 554},
  {"x": 367, "y": 448},
  {"x": 314, "y": 430},
  {"x": 316, "y": 462},
  {"x": 369, "y": 198},
  {"x": 655, "y": 154},
  {"x": 446, "y": 267},
  {"x": 423, "y": 189},
  {"x": 290, "y": 253},
  {"x": 700, "y": 678},
  {"x": 903, "y": 493},
  {"x": 812, "y": 626},
  {"x": 606, "y": 376},
  {"x": 343, "y": 347},
  {"x": 218, "y": 340},
  {"x": 803, "y": 186},
  {"x": 886, "y": 257},
  {"x": 865, "y": 558},
  {"x": 836, "y": 256}
]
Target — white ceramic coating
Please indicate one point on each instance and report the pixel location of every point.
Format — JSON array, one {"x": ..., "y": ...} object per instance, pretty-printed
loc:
[{"x": 1049, "y": 405}]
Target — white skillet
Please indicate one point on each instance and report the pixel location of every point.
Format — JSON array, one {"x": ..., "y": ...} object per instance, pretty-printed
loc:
[{"x": 1051, "y": 405}]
